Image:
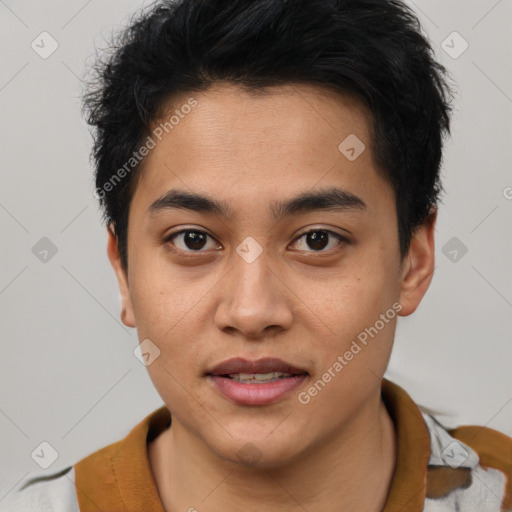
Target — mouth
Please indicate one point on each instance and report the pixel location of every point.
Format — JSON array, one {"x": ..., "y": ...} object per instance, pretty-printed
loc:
[
  {"x": 259, "y": 382},
  {"x": 257, "y": 378}
]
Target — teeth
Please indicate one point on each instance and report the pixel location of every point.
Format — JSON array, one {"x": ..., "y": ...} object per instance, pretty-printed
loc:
[{"x": 257, "y": 377}]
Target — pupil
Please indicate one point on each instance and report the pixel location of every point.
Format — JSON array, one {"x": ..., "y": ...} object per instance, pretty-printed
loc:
[
  {"x": 317, "y": 239},
  {"x": 193, "y": 240}
]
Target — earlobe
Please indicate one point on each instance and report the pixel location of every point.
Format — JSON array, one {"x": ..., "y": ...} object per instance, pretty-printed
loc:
[
  {"x": 127, "y": 314},
  {"x": 418, "y": 266}
]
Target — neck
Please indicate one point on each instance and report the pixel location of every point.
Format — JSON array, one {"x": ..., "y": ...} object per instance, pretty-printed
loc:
[{"x": 352, "y": 471}]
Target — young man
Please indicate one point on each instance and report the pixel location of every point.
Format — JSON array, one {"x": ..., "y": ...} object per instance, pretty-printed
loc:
[{"x": 269, "y": 173}]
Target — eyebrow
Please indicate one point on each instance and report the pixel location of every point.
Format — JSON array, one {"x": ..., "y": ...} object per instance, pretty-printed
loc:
[{"x": 331, "y": 199}]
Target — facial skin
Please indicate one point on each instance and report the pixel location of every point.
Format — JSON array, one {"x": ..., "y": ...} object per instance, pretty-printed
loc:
[{"x": 301, "y": 303}]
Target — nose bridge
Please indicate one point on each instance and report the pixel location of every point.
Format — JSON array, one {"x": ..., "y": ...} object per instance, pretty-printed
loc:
[{"x": 252, "y": 279}]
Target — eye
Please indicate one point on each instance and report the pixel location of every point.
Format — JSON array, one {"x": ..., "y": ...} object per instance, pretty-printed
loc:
[
  {"x": 189, "y": 240},
  {"x": 318, "y": 239},
  {"x": 194, "y": 240}
]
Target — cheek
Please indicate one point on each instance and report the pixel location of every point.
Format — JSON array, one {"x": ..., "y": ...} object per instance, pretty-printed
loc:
[
  {"x": 351, "y": 307},
  {"x": 161, "y": 299},
  {"x": 168, "y": 309},
  {"x": 352, "y": 300},
  {"x": 357, "y": 348},
  {"x": 177, "y": 332}
]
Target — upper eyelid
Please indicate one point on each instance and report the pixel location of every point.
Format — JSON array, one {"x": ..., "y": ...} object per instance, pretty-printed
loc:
[{"x": 312, "y": 230}]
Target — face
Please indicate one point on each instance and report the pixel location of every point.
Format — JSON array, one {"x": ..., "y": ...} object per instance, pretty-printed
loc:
[{"x": 257, "y": 273}]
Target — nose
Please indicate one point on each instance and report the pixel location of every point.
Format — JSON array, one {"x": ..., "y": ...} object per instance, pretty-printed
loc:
[{"x": 254, "y": 301}]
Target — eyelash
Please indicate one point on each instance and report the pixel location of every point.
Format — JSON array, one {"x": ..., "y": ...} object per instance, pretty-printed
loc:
[{"x": 342, "y": 240}]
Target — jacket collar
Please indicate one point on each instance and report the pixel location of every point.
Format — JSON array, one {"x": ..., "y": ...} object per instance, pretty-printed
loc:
[{"x": 120, "y": 473}]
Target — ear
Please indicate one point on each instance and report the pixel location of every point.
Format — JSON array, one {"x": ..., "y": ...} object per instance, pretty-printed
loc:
[
  {"x": 418, "y": 266},
  {"x": 127, "y": 315}
]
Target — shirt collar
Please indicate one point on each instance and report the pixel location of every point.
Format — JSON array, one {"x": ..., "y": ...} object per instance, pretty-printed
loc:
[
  {"x": 408, "y": 487},
  {"x": 121, "y": 471}
]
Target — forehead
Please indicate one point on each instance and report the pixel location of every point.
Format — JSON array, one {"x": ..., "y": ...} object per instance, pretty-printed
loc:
[
  {"x": 228, "y": 117},
  {"x": 266, "y": 144}
]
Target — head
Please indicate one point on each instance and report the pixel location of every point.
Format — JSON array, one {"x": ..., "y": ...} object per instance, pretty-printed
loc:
[{"x": 225, "y": 132}]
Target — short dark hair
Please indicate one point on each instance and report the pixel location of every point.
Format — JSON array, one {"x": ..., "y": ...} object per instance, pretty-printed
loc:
[{"x": 371, "y": 48}]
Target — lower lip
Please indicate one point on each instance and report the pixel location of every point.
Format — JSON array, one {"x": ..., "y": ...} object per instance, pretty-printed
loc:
[{"x": 256, "y": 394}]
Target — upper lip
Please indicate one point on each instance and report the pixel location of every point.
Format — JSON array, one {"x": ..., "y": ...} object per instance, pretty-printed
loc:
[{"x": 264, "y": 365}]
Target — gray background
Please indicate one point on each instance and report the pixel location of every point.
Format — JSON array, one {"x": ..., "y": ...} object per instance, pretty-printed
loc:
[{"x": 68, "y": 375}]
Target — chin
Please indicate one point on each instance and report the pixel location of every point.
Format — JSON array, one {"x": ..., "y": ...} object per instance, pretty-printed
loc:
[{"x": 258, "y": 453}]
